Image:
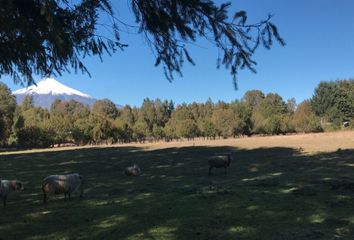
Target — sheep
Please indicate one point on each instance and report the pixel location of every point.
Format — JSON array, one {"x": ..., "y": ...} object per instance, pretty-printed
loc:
[
  {"x": 57, "y": 184},
  {"x": 220, "y": 161},
  {"x": 8, "y": 186},
  {"x": 132, "y": 171}
]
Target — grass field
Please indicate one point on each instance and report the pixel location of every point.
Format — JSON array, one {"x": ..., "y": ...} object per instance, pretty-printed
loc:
[{"x": 286, "y": 187}]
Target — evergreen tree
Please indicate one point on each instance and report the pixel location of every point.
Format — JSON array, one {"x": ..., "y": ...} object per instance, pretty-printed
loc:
[
  {"x": 334, "y": 101},
  {"x": 49, "y": 37},
  {"x": 226, "y": 122},
  {"x": 7, "y": 109},
  {"x": 27, "y": 103},
  {"x": 105, "y": 108},
  {"x": 243, "y": 112},
  {"x": 253, "y": 98}
]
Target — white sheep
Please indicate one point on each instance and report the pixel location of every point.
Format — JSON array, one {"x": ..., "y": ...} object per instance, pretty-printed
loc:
[
  {"x": 132, "y": 171},
  {"x": 220, "y": 161},
  {"x": 8, "y": 186},
  {"x": 66, "y": 184}
]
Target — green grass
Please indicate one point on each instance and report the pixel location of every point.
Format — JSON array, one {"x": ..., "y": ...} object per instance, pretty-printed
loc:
[{"x": 268, "y": 193}]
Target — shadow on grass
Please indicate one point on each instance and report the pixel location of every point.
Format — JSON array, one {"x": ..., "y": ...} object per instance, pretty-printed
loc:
[{"x": 268, "y": 193}]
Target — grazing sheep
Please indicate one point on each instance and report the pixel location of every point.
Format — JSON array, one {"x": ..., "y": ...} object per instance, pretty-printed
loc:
[
  {"x": 8, "y": 186},
  {"x": 57, "y": 184},
  {"x": 132, "y": 171},
  {"x": 220, "y": 161}
]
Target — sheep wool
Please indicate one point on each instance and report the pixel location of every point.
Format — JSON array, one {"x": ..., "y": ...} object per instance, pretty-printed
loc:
[
  {"x": 62, "y": 184},
  {"x": 8, "y": 186},
  {"x": 132, "y": 171}
]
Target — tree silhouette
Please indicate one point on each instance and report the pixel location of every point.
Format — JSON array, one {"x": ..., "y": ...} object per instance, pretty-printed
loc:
[{"x": 50, "y": 37}]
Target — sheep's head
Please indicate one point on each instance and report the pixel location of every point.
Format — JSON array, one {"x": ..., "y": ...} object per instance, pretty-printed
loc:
[
  {"x": 18, "y": 186},
  {"x": 136, "y": 171},
  {"x": 82, "y": 179}
]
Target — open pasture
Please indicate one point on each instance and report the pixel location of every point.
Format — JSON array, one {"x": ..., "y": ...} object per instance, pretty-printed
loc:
[{"x": 287, "y": 187}]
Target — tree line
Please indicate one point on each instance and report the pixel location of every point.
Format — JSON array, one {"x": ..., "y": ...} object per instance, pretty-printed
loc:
[{"x": 257, "y": 113}]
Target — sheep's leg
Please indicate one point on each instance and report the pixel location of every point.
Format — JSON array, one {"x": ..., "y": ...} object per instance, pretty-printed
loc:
[
  {"x": 210, "y": 171},
  {"x": 225, "y": 170},
  {"x": 4, "y": 200},
  {"x": 82, "y": 193},
  {"x": 64, "y": 196},
  {"x": 44, "y": 198},
  {"x": 69, "y": 194},
  {"x": 44, "y": 195}
]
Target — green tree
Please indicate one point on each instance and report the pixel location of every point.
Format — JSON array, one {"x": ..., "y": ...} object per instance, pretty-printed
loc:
[
  {"x": 187, "y": 128},
  {"x": 141, "y": 131},
  {"x": 207, "y": 128},
  {"x": 82, "y": 131},
  {"x": 334, "y": 101},
  {"x": 7, "y": 109},
  {"x": 146, "y": 117},
  {"x": 18, "y": 124},
  {"x": 170, "y": 130},
  {"x": 27, "y": 103},
  {"x": 124, "y": 132},
  {"x": 61, "y": 127},
  {"x": 153, "y": 116},
  {"x": 105, "y": 108},
  {"x": 35, "y": 116},
  {"x": 304, "y": 118},
  {"x": 47, "y": 37},
  {"x": 271, "y": 116},
  {"x": 30, "y": 128},
  {"x": 182, "y": 123},
  {"x": 205, "y": 125},
  {"x": 226, "y": 122},
  {"x": 34, "y": 136},
  {"x": 124, "y": 124},
  {"x": 323, "y": 98},
  {"x": 75, "y": 110},
  {"x": 57, "y": 107},
  {"x": 273, "y": 125},
  {"x": 345, "y": 99},
  {"x": 163, "y": 111},
  {"x": 101, "y": 128},
  {"x": 291, "y": 105},
  {"x": 253, "y": 97},
  {"x": 157, "y": 132},
  {"x": 206, "y": 109},
  {"x": 243, "y": 112},
  {"x": 273, "y": 104},
  {"x": 50, "y": 37},
  {"x": 70, "y": 121}
]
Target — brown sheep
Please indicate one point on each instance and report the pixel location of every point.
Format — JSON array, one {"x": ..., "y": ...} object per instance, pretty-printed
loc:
[{"x": 220, "y": 161}]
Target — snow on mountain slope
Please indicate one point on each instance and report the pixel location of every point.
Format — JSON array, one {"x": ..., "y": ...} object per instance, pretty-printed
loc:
[
  {"x": 50, "y": 86},
  {"x": 48, "y": 90}
]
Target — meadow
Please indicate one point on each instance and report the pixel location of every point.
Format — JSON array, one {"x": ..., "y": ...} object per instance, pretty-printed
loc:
[{"x": 281, "y": 187}]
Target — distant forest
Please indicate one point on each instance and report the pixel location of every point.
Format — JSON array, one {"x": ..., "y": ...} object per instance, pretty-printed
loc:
[{"x": 25, "y": 126}]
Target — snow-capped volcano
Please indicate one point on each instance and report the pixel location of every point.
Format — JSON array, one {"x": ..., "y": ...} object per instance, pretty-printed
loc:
[
  {"x": 50, "y": 86},
  {"x": 49, "y": 89}
]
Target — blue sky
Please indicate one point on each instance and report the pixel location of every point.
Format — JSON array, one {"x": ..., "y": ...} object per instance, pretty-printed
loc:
[{"x": 319, "y": 47}]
